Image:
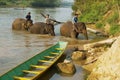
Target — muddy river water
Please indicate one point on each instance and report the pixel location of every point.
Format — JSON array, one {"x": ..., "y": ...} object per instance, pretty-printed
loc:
[{"x": 18, "y": 46}]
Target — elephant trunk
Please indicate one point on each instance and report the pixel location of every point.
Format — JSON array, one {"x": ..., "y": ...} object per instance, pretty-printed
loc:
[
  {"x": 53, "y": 33},
  {"x": 50, "y": 29},
  {"x": 82, "y": 29},
  {"x": 85, "y": 34}
]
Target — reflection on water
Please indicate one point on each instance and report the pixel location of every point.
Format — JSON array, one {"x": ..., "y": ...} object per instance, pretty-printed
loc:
[
  {"x": 79, "y": 75},
  {"x": 20, "y": 47}
]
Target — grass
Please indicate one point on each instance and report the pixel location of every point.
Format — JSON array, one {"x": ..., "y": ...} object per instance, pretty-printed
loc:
[
  {"x": 113, "y": 18},
  {"x": 114, "y": 29},
  {"x": 99, "y": 25}
]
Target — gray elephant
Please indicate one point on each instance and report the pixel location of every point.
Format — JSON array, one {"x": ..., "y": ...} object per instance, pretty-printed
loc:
[
  {"x": 67, "y": 30},
  {"x": 42, "y": 28},
  {"x": 21, "y": 24}
]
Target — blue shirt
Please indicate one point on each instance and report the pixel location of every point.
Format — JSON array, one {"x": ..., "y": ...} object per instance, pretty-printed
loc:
[
  {"x": 74, "y": 19},
  {"x": 28, "y": 17}
]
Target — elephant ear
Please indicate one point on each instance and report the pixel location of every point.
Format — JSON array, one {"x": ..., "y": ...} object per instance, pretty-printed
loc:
[
  {"x": 23, "y": 25},
  {"x": 29, "y": 23}
]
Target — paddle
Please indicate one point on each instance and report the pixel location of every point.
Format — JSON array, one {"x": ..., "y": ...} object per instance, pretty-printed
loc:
[{"x": 52, "y": 19}]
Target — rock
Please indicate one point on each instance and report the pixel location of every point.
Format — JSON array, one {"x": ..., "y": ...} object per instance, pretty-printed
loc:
[
  {"x": 78, "y": 55},
  {"x": 67, "y": 61},
  {"x": 67, "y": 68}
]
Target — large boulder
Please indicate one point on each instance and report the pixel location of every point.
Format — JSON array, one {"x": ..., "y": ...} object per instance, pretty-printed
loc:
[
  {"x": 67, "y": 68},
  {"x": 78, "y": 55}
]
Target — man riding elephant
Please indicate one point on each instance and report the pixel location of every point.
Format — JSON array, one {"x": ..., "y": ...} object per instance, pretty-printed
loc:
[
  {"x": 74, "y": 21},
  {"x": 67, "y": 29},
  {"x": 42, "y": 28},
  {"x": 46, "y": 27},
  {"x": 28, "y": 20},
  {"x": 21, "y": 24}
]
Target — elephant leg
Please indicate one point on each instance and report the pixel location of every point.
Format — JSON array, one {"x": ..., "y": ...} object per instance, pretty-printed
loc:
[
  {"x": 50, "y": 29},
  {"x": 73, "y": 34},
  {"x": 85, "y": 34}
]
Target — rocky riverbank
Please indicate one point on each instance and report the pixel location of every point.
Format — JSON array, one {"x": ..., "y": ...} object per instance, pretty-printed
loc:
[
  {"x": 107, "y": 65},
  {"x": 101, "y": 59}
]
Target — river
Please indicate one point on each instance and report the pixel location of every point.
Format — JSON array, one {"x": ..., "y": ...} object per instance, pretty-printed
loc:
[{"x": 18, "y": 46}]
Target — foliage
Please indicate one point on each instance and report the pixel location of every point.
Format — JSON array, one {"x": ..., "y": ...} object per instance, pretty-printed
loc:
[
  {"x": 45, "y": 3},
  {"x": 2, "y": 3},
  {"x": 32, "y": 3},
  {"x": 74, "y": 7},
  {"x": 99, "y": 25},
  {"x": 114, "y": 29},
  {"x": 93, "y": 11},
  {"x": 113, "y": 18}
]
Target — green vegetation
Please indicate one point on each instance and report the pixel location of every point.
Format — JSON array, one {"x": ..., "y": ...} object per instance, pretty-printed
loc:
[
  {"x": 100, "y": 12},
  {"x": 115, "y": 29},
  {"x": 99, "y": 25},
  {"x": 30, "y": 3},
  {"x": 43, "y": 3}
]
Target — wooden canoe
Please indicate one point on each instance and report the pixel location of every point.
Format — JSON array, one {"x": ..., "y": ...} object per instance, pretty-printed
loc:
[{"x": 37, "y": 65}]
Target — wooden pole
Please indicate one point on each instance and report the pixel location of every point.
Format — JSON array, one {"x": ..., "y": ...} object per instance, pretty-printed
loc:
[{"x": 51, "y": 19}]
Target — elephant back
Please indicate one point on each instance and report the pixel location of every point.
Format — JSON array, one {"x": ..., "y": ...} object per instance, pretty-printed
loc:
[
  {"x": 66, "y": 28},
  {"x": 38, "y": 28},
  {"x": 42, "y": 28},
  {"x": 18, "y": 24}
]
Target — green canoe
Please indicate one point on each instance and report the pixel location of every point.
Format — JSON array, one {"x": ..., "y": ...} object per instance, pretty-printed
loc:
[{"x": 37, "y": 65}]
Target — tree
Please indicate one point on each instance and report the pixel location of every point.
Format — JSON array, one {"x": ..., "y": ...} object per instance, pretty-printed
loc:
[{"x": 45, "y": 3}]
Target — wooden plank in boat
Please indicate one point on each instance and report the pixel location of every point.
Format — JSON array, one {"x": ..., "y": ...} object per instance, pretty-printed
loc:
[
  {"x": 46, "y": 61},
  {"x": 54, "y": 53},
  {"x": 59, "y": 49},
  {"x": 49, "y": 56},
  {"x": 32, "y": 72},
  {"x": 39, "y": 66},
  {"x": 21, "y": 78}
]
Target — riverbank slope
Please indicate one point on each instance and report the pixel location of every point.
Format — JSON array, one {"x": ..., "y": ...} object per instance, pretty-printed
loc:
[{"x": 106, "y": 66}]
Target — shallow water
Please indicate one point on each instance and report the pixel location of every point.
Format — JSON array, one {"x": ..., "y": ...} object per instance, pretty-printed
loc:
[{"x": 18, "y": 46}]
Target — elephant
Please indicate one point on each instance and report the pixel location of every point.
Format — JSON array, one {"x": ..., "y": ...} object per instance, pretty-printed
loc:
[
  {"x": 67, "y": 29},
  {"x": 36, "y": 28},
  {"x": 21, "y": 24},
  {"x": 42, "y": 28}
]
